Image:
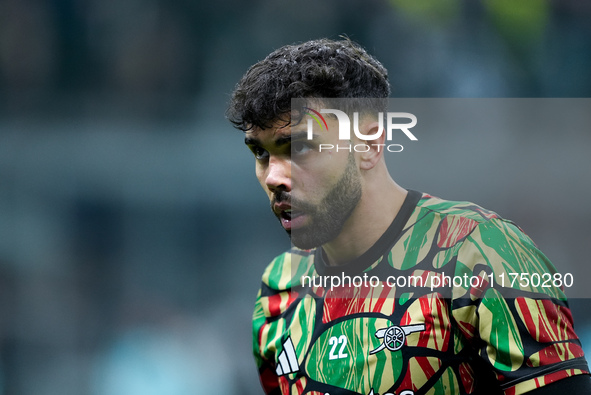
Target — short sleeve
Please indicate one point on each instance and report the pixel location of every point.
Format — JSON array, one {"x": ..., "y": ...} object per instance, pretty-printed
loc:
[{"x": 520, "y": 328}]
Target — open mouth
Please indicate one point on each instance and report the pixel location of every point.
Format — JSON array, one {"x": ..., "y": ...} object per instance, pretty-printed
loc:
[
  {"x": 290, "y": 215},
  {"x": 291, "y": 219},
  {"x": 286, "y": 215}
]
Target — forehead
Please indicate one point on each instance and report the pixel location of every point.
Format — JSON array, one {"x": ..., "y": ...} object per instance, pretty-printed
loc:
[
  {"x": 276, "y": 131},
  {"x": 285, "y": 129}
]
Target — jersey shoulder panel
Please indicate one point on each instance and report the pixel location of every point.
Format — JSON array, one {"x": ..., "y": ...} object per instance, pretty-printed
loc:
[
  {"x": 445, "y": 208},
  {"x": 435, "y": 231},
  {"x": 281, "y": 282},
  {"x": 474, "y": 230},
  {"x": 508, "y": 252},
  {"x": 285, "y": 271},
  {"x": 523, "y": 320}
]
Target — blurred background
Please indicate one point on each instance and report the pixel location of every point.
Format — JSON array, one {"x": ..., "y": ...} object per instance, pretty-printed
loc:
[{"x": 133, "y": 233}]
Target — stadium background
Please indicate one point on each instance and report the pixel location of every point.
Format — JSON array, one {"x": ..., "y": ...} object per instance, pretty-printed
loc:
[{"x": 132, "y": 230}]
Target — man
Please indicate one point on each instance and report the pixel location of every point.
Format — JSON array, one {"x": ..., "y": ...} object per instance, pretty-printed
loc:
[{"x": 336, "y": 314}]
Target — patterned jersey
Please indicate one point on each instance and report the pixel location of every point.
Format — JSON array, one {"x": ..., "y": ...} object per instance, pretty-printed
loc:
[{"x": 436, "y": 306}]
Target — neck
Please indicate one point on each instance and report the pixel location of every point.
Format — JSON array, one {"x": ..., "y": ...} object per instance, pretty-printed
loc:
[{"x": 374, "y": 213}]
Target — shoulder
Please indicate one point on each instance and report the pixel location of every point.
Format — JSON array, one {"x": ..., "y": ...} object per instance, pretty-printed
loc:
[
  {"x": 280, "y": 283},
  {"x": 481, "y": 242},
  {"x": 285, "y": 271},
  {"x": 447, "y": 223},
  {"x": 430, "y": 205},
  {"x": 462, "y": 230},
  {"x": 475, "y": 229},
  {"x": 457, "y": 219}
]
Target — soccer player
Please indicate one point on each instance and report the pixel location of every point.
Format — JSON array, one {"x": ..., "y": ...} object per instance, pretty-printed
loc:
[{"x": 386, "y": 290}]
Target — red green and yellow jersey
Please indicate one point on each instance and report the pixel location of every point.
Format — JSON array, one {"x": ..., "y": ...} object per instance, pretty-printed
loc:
[{"x": 452, "y": 299}]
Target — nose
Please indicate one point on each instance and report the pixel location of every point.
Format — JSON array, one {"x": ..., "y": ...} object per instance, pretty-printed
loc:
[{"x": 278, "y": 174}]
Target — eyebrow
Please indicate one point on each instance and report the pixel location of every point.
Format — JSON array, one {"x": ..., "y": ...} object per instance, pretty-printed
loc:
[
  {"x": 280, "y": 141},
  {"x": 299, "y": 135},
  {"x": 251, "y": 141}
]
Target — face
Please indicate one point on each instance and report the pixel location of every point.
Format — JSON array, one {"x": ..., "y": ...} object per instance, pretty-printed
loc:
[{"x": 312, "y": 193}]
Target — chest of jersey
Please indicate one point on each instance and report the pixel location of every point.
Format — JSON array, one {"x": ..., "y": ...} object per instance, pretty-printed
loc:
[{"x": 373, "y": 345}]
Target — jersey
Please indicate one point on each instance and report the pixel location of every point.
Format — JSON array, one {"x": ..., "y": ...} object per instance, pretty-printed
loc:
[{"x": 431, "y": 308}]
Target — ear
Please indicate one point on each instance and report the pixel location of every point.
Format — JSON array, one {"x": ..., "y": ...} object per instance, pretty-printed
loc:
[{"x": 372, "y": 155}]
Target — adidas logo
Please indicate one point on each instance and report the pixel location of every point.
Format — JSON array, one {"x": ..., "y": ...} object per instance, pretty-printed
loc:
[{"x": 288, "y": 361}]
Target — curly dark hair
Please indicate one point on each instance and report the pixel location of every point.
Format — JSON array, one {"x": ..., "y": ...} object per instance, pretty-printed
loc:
[{"x": 315, "y": 69}]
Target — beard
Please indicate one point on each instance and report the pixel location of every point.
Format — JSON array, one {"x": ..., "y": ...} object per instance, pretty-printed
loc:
[{"x": 328, "y": 218}]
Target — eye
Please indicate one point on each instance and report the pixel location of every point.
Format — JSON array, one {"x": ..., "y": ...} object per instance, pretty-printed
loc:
[
  {"x": 259, "y": 153},
  {"x": 299, "y": 147}
]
